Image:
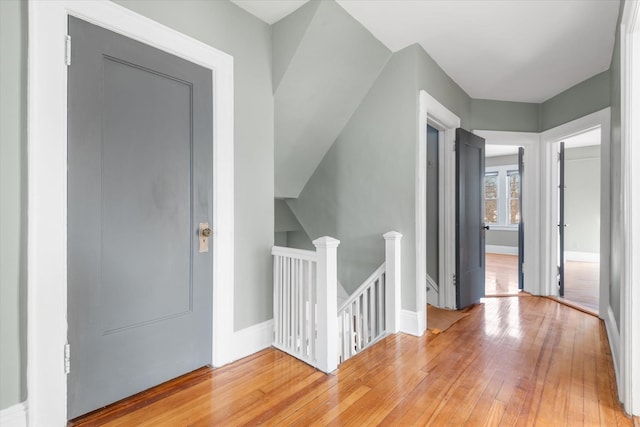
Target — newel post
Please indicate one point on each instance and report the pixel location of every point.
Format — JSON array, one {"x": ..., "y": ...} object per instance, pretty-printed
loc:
[
  {"x": 327, "y": 303},
  {"x": 392, "y": 280}
]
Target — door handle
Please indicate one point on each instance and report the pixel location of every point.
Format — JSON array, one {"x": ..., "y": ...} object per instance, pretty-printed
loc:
[
  {"x": 486, "y": 227},
  {"x": 204, "y": 232}
]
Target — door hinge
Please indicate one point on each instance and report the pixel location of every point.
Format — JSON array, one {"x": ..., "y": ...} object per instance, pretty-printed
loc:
[
  {"x": 454, "y": 280},
  {"x": 67, "y": 358},
  {"x": 67, "y": 50}
]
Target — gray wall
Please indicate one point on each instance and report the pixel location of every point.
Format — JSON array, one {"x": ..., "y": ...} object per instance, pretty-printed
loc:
[
  {"x": 502, "y": 238},
  {"x": 432, "y": 79},
  {"x": 362, "y": 187},
  {"x": 326, "y": 78},
  {"x": 284, "y": 219},
  {"x": 586, "y": 97},
  {"x": 617, "y": 253},
  {"x": 509, "y": 159},
  {"x": 582, "y": 199},
  {"x": 288, "y": 231},
  {"x": 504, "y": 116},
  {"x": 365, "y": 185},
  {"x": 225, "y": 26},
  {"x": 13, "y": 66}
]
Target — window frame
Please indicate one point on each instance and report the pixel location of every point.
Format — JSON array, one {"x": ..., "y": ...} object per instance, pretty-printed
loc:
[{"x": 503, "y": 197}]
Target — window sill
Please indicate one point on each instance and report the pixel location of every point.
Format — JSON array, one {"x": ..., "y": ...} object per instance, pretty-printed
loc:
[{"x": 503, "y": 227}]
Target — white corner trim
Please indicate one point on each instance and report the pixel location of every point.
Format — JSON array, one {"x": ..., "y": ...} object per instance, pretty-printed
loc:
[
  {"x": 614, "y": 343},
  {"x": 47, "y": 194},
  {"x": 501, "y": 250},
  {"x": 629, "y": 389},
  {"x": 252, "y": 339},
  {"x": 409, "y": 323},
  {"x": 14, "y": 416}
]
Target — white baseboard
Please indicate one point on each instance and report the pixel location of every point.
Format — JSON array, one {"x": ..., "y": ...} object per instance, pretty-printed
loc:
[
  {"x": 14, "y": 416},
  {"x": 581, "y": 256},
  {"x": 614, "y": 342},
  {"x": 409, "y": 322},
  {"x": 501, "y": 250},
  {"x": 252, "y": 339}
]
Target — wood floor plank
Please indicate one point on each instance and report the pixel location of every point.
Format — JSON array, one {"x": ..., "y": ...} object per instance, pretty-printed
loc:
[{"x": 514, "y": 361}]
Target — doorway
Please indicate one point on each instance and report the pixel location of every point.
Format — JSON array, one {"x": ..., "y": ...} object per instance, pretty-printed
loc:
[
  {"x": 579, "y": 219},
  {"x": 503, "y": 219},
  {"x": 47, "y": 237},
  {"x": 139, "y": 207}
]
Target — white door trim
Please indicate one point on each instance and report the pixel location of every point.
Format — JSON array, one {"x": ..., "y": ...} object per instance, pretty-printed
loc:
[
  {"x": 47, "y": 187},
  {"x": 629, "y": 378},
  {"x": 550, "y": 140},
  {"x": 437, "y": 115},
  {"x": 530, "y": 202}
]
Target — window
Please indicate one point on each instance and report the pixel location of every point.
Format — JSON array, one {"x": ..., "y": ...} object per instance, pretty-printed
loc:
[
  {"x": 513, "y": 184},
  {"x": 502, "y": 196},
  {"x": 491, "y": 198}
]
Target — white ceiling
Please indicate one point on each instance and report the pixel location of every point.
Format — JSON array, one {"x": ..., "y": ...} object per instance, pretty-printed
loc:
[{"x": 510, "y": 50}]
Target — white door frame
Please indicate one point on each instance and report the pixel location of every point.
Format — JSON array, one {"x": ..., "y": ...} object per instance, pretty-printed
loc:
[
  {"x": 629, "y": 373},
  {"x": 437, "y": 115},
  {"x": 549, "y": 202},
  {"x": 47, "y": 187},
  {"x": 530, "y": 202}
]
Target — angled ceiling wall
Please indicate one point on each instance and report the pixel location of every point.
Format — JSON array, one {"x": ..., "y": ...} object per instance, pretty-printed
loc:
[{"x": 324, "y": 63}]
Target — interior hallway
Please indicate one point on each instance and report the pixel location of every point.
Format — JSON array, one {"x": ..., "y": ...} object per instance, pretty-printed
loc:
[{"x": 512, "y": 361}]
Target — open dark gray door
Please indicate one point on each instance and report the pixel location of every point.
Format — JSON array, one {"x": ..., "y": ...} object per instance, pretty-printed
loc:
[
  {"x": 470, "y": 228},
  {"x": 139, "y": 185},
  {"x": 433, "y": 227},
  {"x": 561, "y": 224},
  {"x": 521, "y": 222}
]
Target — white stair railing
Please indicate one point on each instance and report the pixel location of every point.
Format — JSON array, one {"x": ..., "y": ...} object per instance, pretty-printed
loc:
[
  {"x": 373, "y": 309},
  {"x": 305, "y": 304}
]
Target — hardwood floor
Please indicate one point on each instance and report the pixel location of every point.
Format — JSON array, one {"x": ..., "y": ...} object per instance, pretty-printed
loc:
[
  {"x": 582, "y": 280},
  {"x": 582, "y": 284},
  {"x": 501, "y": 274},
  {"x": 512, "y": 362}
]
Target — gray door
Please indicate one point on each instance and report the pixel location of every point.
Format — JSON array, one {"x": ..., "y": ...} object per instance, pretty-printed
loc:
[
  {"x": 470, "y": 229},
  {"x": 433, "y": 228},
  {"x": 139, "y": 184},
  {"x": 521, "y": 222},
  {"x": 561, "y": 224}
]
